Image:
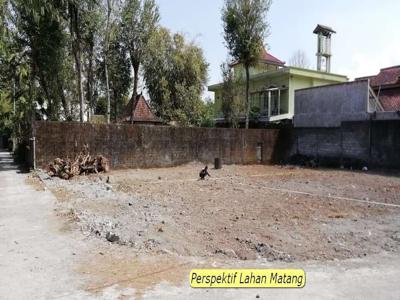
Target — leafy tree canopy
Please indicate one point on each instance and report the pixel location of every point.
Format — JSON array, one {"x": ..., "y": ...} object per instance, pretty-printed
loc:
[{"x": 175, "y": 72}]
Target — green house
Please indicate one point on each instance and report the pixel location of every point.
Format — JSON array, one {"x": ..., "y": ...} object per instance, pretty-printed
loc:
[{"x": 272, "y": 87}]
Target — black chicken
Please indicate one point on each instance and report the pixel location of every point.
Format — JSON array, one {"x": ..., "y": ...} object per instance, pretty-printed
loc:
[{"x": 204, "y": 173}]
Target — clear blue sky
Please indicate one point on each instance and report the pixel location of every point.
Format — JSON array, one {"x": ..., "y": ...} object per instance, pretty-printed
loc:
[{"x": 367, "y": 39}]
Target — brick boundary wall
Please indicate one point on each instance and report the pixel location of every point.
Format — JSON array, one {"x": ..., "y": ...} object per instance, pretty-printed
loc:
[
  {"x": 141, "y": 146},
  {"x": 366, "y": 143}
]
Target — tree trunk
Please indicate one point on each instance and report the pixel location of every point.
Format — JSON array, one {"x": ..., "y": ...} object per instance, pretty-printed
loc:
[
  {"x": 109, "y": 7},
  {"x": 135, "y": 66},
  {"x": 107, "y": 91},
  {"x": 79, "y": 70},
  {"x": 79, "y": 76},
  {"x": 49, "y": 109},
  {"x": 76, "y": 48},
  {"x": 135, "y": 80},
  {"x": 115, "y": 106},
  {"x": 64, "y": 101},
  {"x": 247, "y": 96},
  {"x": 89, "y": 81}
]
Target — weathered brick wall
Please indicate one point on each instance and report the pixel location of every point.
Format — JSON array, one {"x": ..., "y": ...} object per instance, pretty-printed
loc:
[
  {"x": 136, "y": 146},
  {"x": 385, "y": 149},
  {"x": 374, "y": 144}
]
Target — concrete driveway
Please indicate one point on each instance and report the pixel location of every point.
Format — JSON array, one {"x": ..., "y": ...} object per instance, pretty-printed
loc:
[{"x": 37, "y": 259}]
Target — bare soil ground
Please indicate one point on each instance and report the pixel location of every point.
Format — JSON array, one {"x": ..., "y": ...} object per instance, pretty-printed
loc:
[{"x": 240, "y": 213}]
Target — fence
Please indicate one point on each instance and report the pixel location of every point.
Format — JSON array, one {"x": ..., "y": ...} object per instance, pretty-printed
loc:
[{"x": 139, "y": 146}]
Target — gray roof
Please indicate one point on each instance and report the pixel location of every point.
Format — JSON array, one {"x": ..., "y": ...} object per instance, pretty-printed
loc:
[{"x": 325, "y": 30}]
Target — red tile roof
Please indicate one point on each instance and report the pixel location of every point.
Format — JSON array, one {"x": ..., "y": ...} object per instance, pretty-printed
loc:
[
  {"x": 387, "y": 87},
  {"x": 138, "y": 110},
  {"x": 390, "y": 99},
  {"x": 267, "y": 58},
  {"x": 387, "y": 76}
]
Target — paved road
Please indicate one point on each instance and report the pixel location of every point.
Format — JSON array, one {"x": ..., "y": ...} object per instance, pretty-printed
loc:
[
  {"x": 34, "y": 257},
  {"x": 37, "y": 259},
  {"x": 376, "y": 277}
]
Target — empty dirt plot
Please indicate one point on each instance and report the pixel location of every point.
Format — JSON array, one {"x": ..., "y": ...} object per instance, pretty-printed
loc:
[{"x": 239, "y": 213}]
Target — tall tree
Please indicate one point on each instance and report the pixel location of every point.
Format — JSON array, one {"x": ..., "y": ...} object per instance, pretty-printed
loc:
[
  {"x": 139, "y": 21},
  {"x": 74, "y": 10},
  {"x": 92, "y": 18},
  {"x": 110, "y": 4},
  {"x": 6, "y": 94},
  {"x": 175, "y": 73},
  {"x": 119, "y": 74},
  {"x": 40, "y": 35},
  {"x": 245, "y": 28}
]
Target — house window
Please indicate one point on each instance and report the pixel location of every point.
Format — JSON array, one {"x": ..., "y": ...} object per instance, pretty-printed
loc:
[
  {"x": 253, "y": 99},
  {"x": 265, "y": 101},
  {"x": 284, "y": 102},
  {"x": 275, "y": 102}
]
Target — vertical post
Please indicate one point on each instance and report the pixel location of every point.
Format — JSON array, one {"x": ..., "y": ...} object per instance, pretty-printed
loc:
[
  {"x": 34, "y": 153},
  {"x": 328, "y": 64},
  {"x": 269, "y": 104},
  {"x": 328, "y": 54},
  {"x": 33, "y": 139},
  {"x": 319, "y": 52},
  {"x": 328, "y": 45},
  {"x": 279, "y": 101}
]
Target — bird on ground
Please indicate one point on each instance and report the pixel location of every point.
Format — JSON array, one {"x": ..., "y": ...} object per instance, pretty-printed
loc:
[{"x": 204, "y": 173}]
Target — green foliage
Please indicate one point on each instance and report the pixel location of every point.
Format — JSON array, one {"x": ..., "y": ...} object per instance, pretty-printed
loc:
[
  {"x": 91, "y": 30},
  {"x": 139, "y": 22},
  {"x": 254, "y": 112},
  {"x": 40, "y": 31},
  {"x": 6, "y": 56},
  {"x": 207, "y": 114},
  {"x": 230, "y": 104},
  {"x": 245, "y": 28},
  {"x": 101, "y": 106},
  {"x": 175, "y": 73},
  {"x": 14, "y": 72},
  {"x": 53, "y": 56},
  {"x": 5, "y": 112},
  {"x": 119, "y": 75}
]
